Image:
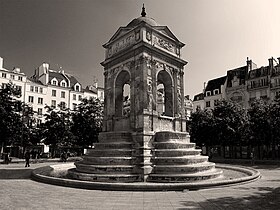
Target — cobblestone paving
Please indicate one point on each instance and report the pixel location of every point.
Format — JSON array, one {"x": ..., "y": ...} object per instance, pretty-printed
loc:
[{"x": 27, "y": 194}]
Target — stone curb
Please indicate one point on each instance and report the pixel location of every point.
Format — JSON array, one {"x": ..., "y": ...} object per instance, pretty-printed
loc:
[{"x": 41, "y": 175}]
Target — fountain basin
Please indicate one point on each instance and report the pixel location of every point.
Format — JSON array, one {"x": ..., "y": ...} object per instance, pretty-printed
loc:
[{"x": 58, "y": 175}]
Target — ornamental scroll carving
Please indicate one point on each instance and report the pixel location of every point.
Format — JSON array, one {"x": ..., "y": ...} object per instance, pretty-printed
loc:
[
  {"x": 123, "y": 43},
  {"x": 164, "y": 44}
]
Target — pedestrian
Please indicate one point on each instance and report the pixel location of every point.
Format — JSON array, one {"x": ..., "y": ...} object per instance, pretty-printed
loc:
[
  {"x": 27, "y": 158},
  {"x": 252, "y": 157},
  {"x": 6, "y": 158},
  {"x": 63, "y": 156}
]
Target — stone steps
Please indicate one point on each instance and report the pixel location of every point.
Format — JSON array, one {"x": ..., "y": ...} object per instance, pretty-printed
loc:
[
  {"x": 176, "y": 160},
  {"x": 185, "y": 169},
  {"x": 110, "y": 152},
  {"x": 183, "y": 160},
  {"x": 90, "y": 160},
  {"x": 115, "y": 177},
  {"x": 183, "y": 177},
  {"x": 113, "y": 145},
  {"x": 107, "y": 169},
  {"x": 176, "y": 152}
]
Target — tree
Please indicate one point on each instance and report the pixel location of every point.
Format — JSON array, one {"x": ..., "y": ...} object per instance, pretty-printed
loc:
[
  {"x": 202, "y": 128},
  {"x": 230, "y": 119},
  {"x": 87, "y": 122},
  {"x": 10, "y": 119},
  {"x": 56, "y": 129},
  {"x": 259, "y": 123},
  {"x": 274, "y": 118}
]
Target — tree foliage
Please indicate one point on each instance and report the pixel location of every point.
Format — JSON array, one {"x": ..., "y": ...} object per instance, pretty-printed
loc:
[
  {"x": 87, "y": 122},
  {"x": 224, "y": 125},
  {"x": 56, "y": 129},
  {"x": 10, "y": 119}
]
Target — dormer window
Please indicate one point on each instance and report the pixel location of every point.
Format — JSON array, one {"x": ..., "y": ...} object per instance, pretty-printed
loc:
[
  {"x": 208, "y": 93},
  {"x": 216, "y": 91},
  {"x": 77, "y": 87},
  {"x": 54, "y": 81},
  {"x": 63, "y": 83}
]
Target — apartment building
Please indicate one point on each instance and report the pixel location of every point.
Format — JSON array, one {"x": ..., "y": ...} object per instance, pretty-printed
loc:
[
  {"x": 242, "y": 85},
  {"x": 49, "y": 87}
]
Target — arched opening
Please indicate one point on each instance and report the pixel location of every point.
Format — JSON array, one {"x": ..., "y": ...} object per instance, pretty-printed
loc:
[
  {"x": 126, "y": 100},
  {"x": 122, "y": 94},
  {"x": 160, "y": 99},
  {"x": 164, "y": 83}
]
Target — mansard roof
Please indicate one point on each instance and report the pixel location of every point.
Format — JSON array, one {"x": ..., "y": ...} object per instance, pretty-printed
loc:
[
  {"x": 198, "y": 97},
  {"x": 215, "y": 83}
]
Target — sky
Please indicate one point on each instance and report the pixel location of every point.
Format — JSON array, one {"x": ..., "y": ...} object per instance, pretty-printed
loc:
[{"x": 219, "y": 34}]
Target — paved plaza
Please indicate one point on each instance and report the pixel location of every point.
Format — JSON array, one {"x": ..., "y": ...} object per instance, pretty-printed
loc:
[{"x": 27, "y": 194}]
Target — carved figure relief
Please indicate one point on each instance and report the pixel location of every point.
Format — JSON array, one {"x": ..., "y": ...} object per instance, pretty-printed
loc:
[
  {"x": 148, "y": 36},
  {"x": 137, "y": 36},
  {"x": 179, "y": 101},
  {"x": 164, "y": 44}
]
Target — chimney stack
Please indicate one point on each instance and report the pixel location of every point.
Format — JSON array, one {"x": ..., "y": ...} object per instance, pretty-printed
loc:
[{"x": 270, "y": 61}]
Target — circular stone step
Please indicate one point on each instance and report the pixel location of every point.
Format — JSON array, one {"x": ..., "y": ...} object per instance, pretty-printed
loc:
[
  {"x": 110, "y": 152},
  {"x": 176, "y": 152},
  {"x": 106, "y": 160},
  {"x": 184, "y": 160},
  {"x": 114, "y": 145},
  {"x": 173, "y": 145},
  {"x": 183, "y": 169},
  {"x": 104, "y": 169},
  {"x": 211, "y": 174},
  {"x": 103, "y": 177}
]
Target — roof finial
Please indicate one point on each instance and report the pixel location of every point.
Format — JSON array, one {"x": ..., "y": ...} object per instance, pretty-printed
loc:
[{"x": 143, "y": 13}]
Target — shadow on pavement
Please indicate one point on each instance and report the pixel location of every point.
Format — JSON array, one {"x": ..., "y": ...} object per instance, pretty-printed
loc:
[{"x": 265, "y": 198}]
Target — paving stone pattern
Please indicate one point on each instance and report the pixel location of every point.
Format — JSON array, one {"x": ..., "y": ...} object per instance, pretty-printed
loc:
[{"x": 28, "y": 194}]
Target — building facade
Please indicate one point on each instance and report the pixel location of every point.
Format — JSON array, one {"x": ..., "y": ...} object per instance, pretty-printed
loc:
[
  {"x": 47, "y": 87},
  {"x": 242, "y": 85}
]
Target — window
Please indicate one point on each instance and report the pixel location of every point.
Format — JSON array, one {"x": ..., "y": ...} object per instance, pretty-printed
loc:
[
  {"x": 63, "y": 105},
  {"x": 4, "y": 85},
  {"x": 40, "y": 100},
  {"x": 80, "y": 97},
  {"x": 208, "y": 93},
  {"x": 77, "y": 88},
  {"x": 216, "y": 91},
  {"x": 53, "y": 92},
  {"x": 74, "y": 96},
  {"x": 74, "y": 106},
  {"x": 207, "y": 103},
  {"x": 54, "y": 82},
  {"x": 4, "y": 75},
  {"x": 18, "y": 87},
  {"x": 41, "y": 90},
  {"x": 216, "y": 102},
  {"x": 36, "y": 89},
  {"x": 53, "y": 103},
  {"x": 40, "y": 111},
  {"x": 12, "y": 76},
  {"x": 30, "y": 99},
  {"x": 63, "y": 84},
  {"x": 19, "y": 78},
  {"x": 62, "y": 94},
  {"x": 31, "y": 88}
]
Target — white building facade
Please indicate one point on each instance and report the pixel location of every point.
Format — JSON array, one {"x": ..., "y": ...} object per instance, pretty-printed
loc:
[{"x": 48, "y": 87}]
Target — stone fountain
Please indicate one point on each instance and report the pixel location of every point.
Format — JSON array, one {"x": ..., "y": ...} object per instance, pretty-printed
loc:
[{"x": 144, "y": 138}]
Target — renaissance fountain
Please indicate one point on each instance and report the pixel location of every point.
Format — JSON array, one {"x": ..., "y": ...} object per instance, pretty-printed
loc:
[{"x": 144, "y": 139}]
